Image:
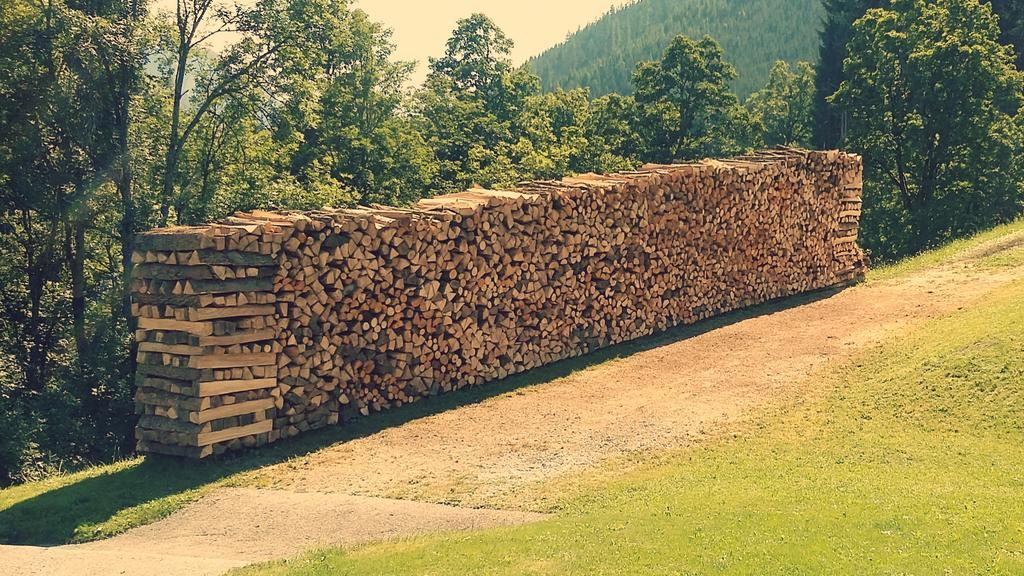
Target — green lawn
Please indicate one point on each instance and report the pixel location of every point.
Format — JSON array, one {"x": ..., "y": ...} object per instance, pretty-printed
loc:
[
  {"x": 105, "y": 500},
  {"x": 910, "y": 461},
  {"x": 995, "y": 238}
]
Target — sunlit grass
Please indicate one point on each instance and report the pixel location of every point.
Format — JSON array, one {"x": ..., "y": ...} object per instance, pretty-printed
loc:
[{"x": 949, "y": 252}]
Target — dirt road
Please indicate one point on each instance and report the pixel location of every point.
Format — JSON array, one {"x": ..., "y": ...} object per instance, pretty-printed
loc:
[{"x": 501, "y": 452}]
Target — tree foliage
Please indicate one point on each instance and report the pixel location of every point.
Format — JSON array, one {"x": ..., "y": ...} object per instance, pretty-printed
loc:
[
  {"x": 783, "y": 108},
  {"x": 488, "y": 124},
  {"x": 932, "y": 99},
  {"x": 830, "y": 123},
  {"x": 685, "y": 110}
]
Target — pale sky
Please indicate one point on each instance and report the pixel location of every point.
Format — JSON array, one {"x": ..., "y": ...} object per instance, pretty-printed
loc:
[{"x": 422, "y": 27}]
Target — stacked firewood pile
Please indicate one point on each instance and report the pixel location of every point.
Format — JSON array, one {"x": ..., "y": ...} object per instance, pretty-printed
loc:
[
  {"x": 270, "y": 324},
  {"x": 207, "y": 337}
]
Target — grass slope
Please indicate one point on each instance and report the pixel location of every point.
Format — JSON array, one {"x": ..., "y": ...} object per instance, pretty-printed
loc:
[
  {"x": 106, "y": 500},
  {"x": 911, "y": 461}
]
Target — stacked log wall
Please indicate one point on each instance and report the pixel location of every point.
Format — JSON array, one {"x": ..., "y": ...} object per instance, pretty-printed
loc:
[{"x": 267, "y": 325}]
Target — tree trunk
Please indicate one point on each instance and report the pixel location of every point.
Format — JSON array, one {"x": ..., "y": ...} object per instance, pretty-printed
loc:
[
  {"x": 76, "y": 264},
  {"x": 174, "y": 140},
  {"x": 36, "y": 360}
]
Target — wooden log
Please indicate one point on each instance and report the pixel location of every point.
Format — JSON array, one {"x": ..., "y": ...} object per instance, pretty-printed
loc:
[
  {"x": 230, "y": 410},
  {"x": 199, "y": 314},
  {"x": 208, "y": 438},
  {"x": 219, "y": 387},
  {"x": 232, "y": 360}
]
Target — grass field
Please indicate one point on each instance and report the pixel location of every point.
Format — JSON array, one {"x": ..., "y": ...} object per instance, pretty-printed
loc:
[
  {"x": 910, "y": 462},
  {"x": 106, "y": 500},
  {"x": 995, "y": 238}
]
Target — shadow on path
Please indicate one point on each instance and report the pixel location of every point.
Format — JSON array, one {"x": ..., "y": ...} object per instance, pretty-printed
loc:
[{"x": 66, "y": 513}]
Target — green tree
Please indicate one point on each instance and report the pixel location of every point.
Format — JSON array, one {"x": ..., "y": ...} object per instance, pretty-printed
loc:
[
  {"x": 468, "y": 107},
  {"x": 475, "y": 57},
  {"x": 783, "y": 108},
  {"x": 610, "y": 128},
  {"x": 837, "y": 29},
  {"x": 685, "y": 109},
  {"x": 266, "y": 42},
  {"x": 349, "y": 115},
  {"x": 932, "y": 98},
  {"x": 830, "y": 123},
  {"x": 754, "y": 34},
  {"x": 1011, "y": 22},
  {"x": 63, "y": 69}
]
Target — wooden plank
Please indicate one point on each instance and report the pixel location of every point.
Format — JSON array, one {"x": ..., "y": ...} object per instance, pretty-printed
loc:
[
  {"x": 187, "y": 374},
  {"x": 193, "y": 300},
  {"x": 207, "y": 438},
  {"x": 156, "y": 398},
  {"x": 167, "y": 425},
  {"x": 233, "y": 360},
  {"x": 197, "y": 328},
  {"x": 179, "y": 238},
  {"x": 199, "y": 314},
  {"x": 232, "y": 258},
  {"x": 238, "y": 338},
  {"x": 152, "y": 447},
  {"x": 181, "y": 349},
  {"x": 229, "y": 286},
  {"x": 219, "y": 387},
  {"x": 229, "y": 410},
  {"x": 171, "y": 272}
]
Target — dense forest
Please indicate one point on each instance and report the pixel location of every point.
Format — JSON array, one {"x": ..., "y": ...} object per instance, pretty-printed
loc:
[
  {"x": 754, "y": 34},
  {"x": 116, "y": 119}
]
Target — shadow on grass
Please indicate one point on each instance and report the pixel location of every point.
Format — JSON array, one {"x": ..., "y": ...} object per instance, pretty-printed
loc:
[{"x": 57, "y": 516}]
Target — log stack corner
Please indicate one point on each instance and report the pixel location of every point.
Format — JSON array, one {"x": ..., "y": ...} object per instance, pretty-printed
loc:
[{"x": 269, "y": 324}]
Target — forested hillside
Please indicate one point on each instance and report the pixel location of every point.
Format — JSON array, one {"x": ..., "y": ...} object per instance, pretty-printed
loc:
[{"x": 754, "y": 34}]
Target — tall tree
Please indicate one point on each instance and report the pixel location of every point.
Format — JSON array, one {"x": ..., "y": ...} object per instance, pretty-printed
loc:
[
  {"x": 1011, "y": 22},
  {"x": 829, "y": 123},
  {"x": 467, "y": 107},
  {"x": 932, "y": 98},
  {"x": 685, "y": 108},
  {"x": 59, "y": 93},
  {"x": 349, "y": 113},
  {"x": 783, "y": 108},
  {"x": 265, "y": 34},
  {"x": 476, "y": 56}
]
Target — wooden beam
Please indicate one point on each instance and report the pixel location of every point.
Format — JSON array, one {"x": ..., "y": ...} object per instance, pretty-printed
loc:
[
  {"x": 218, "y": 387},
  {"x": 197, "y": 328},
  {"x": 229, "y": 410},
  {"x": 233, "y": 360},
  {"x": 182, "y": 349},
  {"x": 207, "y": 438},
  {"x": 199, "y": 314},
  {"x": 239, "y": 338}
]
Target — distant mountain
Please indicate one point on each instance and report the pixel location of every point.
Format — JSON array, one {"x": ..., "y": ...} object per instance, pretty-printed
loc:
[{"x": 753, "y": 33}]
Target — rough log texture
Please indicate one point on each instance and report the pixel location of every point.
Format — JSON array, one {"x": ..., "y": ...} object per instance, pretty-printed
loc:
[{"x": 266, "y": 325}]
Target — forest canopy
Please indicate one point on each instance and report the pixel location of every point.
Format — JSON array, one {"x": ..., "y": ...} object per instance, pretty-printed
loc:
[{"x": 754, "y": 34}]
